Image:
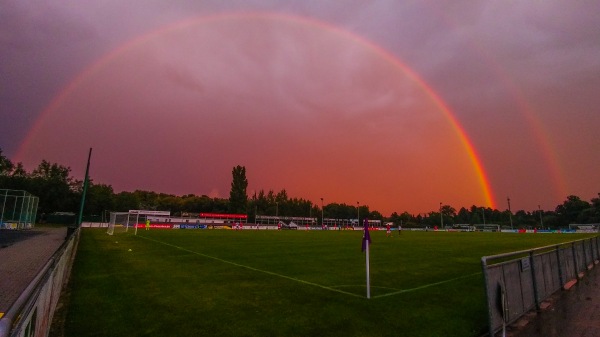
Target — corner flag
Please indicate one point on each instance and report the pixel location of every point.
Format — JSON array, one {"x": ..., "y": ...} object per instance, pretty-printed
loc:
[
  {"x": 365, "y": 247},
  {"x": 366, "y": 237}
]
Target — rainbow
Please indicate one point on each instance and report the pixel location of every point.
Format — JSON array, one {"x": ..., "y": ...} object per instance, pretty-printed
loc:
[
  {"x": 383, "y": 53},
  {"x": 540, "y": 134}
]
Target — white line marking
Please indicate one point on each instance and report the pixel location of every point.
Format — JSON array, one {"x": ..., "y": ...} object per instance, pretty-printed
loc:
[
  {"x": 426, "y": 286},
  {"x": 398, "y": 292},
  {"x": 254, "y": 269}
]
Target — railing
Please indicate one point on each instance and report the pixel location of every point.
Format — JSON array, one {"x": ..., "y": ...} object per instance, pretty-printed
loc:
[
  {"x": 520, "y": 281},
  {"x": 32, "y": 312}
]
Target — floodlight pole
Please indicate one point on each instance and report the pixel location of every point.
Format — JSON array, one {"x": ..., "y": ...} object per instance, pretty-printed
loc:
[
  {"x": 441, "y": 218},
  {"x": 483, "y": 214},
  {"x": 85, "y": 186},
  {"x": 541, "y": 220},
  {"x": 358, "y": 213},
  {"x": 509, "y": 212},
  {"x": 322, "y": 212}
]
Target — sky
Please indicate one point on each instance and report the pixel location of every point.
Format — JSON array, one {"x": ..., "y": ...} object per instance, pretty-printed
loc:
[{"x": 398, "y": 105}]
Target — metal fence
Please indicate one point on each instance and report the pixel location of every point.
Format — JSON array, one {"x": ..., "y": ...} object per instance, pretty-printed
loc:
[
  {"x": 32, "y": 312},
  {"x": 18, "y": 209},
  {"x": 520, "y": 281}
]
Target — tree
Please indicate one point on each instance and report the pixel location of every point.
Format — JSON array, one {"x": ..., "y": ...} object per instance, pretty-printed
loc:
[
  {"x": 448, "y": 214},
  {"x": 170, "y": 203},
  {"x": 100, "y": 197},
  {"x": 6, "y": 166},
  {"x": 463, "y": 216},
  {"x": 375, "y": 215},
  {"x": 55, "y": 188},
  {"x": 572, "y": 210},
  {"x": 596, "y": 209},
  {"x": 54, "y": 172},
  {"x": 19, "y": 170},
  {"x": 126, "y": 201},
  {"x": 238, "y": 199}
]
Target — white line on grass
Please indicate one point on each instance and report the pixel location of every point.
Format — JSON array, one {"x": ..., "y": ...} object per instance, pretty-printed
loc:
[
  {"x": 252, "y": 268},
  {"x": 398, "y": 292},
  {"x": 362, "y": 286},
  {"x": 426, "y": 286}
]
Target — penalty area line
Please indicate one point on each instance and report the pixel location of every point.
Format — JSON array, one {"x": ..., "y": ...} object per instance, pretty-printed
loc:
[{"x": 254, "y": 269}]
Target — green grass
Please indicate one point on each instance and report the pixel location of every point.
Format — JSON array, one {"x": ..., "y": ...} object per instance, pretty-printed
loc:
[{"x": 282, "y": 283}]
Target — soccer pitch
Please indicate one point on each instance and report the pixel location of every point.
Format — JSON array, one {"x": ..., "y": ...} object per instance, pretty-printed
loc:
[{"x": 283, "y": 283}]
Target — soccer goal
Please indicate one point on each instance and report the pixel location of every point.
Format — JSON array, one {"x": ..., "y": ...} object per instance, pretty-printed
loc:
[{"x": 122, "y": 222}]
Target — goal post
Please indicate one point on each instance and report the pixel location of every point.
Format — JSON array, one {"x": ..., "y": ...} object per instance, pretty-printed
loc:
[
  {"x": 126, "y": 221},
  {"x": 121, "y": 222}
]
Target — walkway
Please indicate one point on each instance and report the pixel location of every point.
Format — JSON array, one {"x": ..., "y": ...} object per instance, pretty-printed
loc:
[
  {"x": 22, "y": 254},
  {"x": 572, "y": 313}
]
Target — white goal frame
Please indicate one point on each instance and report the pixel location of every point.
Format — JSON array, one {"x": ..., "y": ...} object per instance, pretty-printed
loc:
[
  {"x": 132, "y": 218},
  {"x": 122, "y": 221}
]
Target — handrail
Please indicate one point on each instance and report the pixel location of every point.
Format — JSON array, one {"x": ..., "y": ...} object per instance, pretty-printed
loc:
[
  {"x": 484, "y": 259},
  {"x": 524, "y": 281},
  {"x": 15, "y": 313}
]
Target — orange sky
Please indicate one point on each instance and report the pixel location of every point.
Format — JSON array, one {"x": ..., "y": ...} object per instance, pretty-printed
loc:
[
  {"x": 305, "y": 108},
  {"x": 323, "y": 99}
]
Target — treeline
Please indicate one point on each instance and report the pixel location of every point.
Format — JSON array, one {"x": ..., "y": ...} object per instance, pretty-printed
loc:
[
  {"x": 58, "y": 191},
  {"x": 574, "y": 210}
]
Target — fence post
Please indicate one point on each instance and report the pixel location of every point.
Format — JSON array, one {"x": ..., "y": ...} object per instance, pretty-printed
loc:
[
  {"x": 591, "y": 248},
  {"x": 490, "y": 279},
  {"x": 574, "y": 260},
  {"x": 560, "y": 271},
  {"x": 534, "y": 280},
  {"x": 585, "y": 262},
  {"x": 485, "y": 280},
  {"x": 592, "y": 252}
]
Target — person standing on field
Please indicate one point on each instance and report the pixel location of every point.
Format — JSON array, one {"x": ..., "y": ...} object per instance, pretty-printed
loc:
[
  {"x": 388, "y": 230},
  {"x": 147, "y": 224}
]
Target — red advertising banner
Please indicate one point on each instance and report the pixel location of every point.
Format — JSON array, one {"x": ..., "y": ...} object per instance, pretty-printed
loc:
[{"x": 157, "y": 226}]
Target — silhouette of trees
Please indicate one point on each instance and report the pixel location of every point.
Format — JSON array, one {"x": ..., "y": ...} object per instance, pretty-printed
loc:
[{"x": 59, "y": 192}]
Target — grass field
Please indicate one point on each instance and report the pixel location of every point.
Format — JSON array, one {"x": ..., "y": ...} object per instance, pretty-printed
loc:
[{"x": 283, "y": 283}]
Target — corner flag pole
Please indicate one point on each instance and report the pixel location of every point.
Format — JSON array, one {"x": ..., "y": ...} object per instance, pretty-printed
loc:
[
  {"x": 365, "y": 247},
  {"x": 368, "y": 278},
  {"x": 85, "y": 186}
]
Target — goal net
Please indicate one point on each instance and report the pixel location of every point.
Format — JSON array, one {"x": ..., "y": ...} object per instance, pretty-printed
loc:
[{"x": 122, "y": 222}]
